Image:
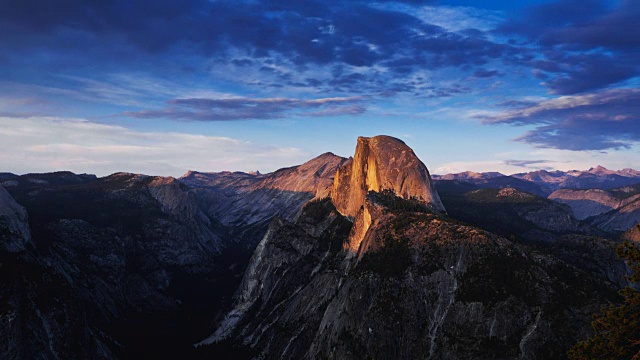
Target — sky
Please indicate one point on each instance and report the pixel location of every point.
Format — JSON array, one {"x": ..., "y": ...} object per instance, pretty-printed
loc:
[{"x": 162, "y": 87}]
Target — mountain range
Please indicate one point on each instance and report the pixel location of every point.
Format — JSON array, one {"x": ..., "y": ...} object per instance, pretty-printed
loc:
[
  {"x": 543, "y": 182},
  {"x": 365, "y": 257}
]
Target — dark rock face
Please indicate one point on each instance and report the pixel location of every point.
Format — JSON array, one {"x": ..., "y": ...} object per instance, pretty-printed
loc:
[
  {"x": 382, "y": 163},
  {"x": 110, "y": 270},
  {"x": 426, "y": 287},
  {"x": 14, "y": 226},
  {"x": 512, "y": 213}
]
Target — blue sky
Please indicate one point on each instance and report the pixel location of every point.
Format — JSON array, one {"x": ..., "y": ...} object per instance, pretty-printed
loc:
[{"x": 167, "y": 86}]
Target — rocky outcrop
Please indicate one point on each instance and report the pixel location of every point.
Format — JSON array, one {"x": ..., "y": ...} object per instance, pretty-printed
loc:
[
  {"x": 246, "y": 202},
  {"x": 14, "y": 225},
  {"x": 382, "y": 163}
]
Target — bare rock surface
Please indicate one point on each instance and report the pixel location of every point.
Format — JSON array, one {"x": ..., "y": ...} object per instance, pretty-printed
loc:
[
  {"x": 245, "y": 201},
  {"x": 614, "y": 210},
  {"x": 585, "y": 203},
  {"x": 425, "y": 287},
  {"x": 382, "y": 163}
]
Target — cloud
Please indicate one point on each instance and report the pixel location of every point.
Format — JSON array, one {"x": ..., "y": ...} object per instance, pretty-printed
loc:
[
  {"x": 528, "y": 163},
  {"x": 582, "y": 45},
  {"x": 270, "y": 43},
  {"x": 236, "y": 108},
  {"x": 596, "y": 121},
  {"x": 51, "y": 144}
]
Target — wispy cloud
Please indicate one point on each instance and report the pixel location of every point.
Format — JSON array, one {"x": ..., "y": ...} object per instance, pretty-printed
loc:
[
  {"x": 50, "y": 144},
  {"x": 597, "y": 121},
  {"x": 529, "y": 164},
  {"x": 232, "y": 109}
]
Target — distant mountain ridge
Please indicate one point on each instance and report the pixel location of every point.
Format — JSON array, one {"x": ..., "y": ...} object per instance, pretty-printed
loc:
[{"x": 543, "y": 182}]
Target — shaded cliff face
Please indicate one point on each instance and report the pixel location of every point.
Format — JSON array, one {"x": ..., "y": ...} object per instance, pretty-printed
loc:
[
  {"x": 14, "y": 226},
  {"x": 121, "y": 264},
  {"x": 585, "y": 203},
  {"x": 422, "y": 286},
  {"x": 511, "y": 213},
  {"x": 247, "y": 202},
  {"x": 382, "y": 163},
  {"x": 614, "y": 210}
]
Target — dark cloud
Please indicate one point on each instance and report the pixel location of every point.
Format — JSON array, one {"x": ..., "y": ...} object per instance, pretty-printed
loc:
[
  {"x": 232, "y": 109},
  {"x": 585, "y": 44},
  {"x": 245, "y": 34},
  {"x": 568, "y": 73},
  {"x": 481, "y": 73},
  {"x": 596, "y": 121}
]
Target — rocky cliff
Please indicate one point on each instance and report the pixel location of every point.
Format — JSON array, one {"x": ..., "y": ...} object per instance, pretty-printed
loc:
[
  {"x": 247, "y": 202},
  {"x": 14, "y": 226},
  {"x": 585, "y": 203},
  {"x": 426, "y": 287},
  {"x": 614, "y": 210},
  {"x": 379, "y": 271},
  {"x": 116, "y": 264},
  {"x": 382, "y": 163}
]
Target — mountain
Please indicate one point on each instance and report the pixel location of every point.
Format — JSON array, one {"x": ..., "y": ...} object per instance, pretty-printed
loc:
[
  {"x": 334, "y": 258},
  {"x": 247, "y": 202},
  {"x": 35, "y": 180},
  {"x": 585, "y": 203},
  {"x": 390, "y": 275},
  {"x": 543, "y": 183},
  {"x": 113, "y": 265},
  {"x": 614, "y": 210},
  {"x": 510, "y": 212},
  {"x": 468, "y": 175},
  {"x": 426, "y": 286},
  {"x": 382, "y": 163},
  {"x": 494, "y": 180},
  {"x": 14, "y": 226},
  {"x": 594, "y": 178}
]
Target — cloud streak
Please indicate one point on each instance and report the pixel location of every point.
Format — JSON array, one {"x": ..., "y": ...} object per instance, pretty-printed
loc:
[
  {"x": 234, "y": 109},
  {"x": 596, "y": 121},
  {"x": 51, "y": 144}
]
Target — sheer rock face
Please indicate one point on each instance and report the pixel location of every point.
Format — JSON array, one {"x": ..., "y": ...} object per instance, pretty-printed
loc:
[
  {"x": 14, "y": 226},
  {"x": 247, "y": 202},
  {"x": 426, "y": 287},
  {"x": 586, "y": 203},
  {"x": 382, "y": 163},
  {"x": 614, "y": 210}
]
